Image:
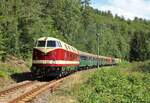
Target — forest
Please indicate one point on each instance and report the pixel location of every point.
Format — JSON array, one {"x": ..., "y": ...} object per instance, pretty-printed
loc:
[{"x": 75, "y": 22}]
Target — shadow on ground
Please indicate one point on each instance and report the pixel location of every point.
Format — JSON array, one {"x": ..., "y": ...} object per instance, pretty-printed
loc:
[{"x": 19, "y": 77}]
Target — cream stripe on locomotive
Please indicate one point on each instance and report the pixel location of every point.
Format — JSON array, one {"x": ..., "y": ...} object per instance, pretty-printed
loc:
[
  {"x": 54, "y": 62},
  {"x": 44, "y": 49}
]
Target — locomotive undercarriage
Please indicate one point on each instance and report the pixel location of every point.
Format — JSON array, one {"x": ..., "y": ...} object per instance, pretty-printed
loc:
[{"x": 52, "y": 71}]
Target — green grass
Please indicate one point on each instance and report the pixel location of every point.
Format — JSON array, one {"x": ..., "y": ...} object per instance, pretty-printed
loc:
[
  {"x": 126, "y": 83},
  {"x": 6, "y": 70},
  {"x": 3, "y": 74}
]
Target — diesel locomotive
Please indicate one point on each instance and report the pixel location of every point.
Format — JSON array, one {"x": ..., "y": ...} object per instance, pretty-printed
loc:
[{"x": 53, "y": 57}]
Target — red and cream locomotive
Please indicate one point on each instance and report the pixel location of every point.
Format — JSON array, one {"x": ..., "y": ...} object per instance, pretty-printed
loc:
[{"x": 53, "y": 57}]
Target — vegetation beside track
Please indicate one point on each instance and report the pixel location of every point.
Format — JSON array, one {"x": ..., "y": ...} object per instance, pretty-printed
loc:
[
  {"x": 11, "y": 66},
  {"x": 69, "y": 88},
  {"x": 126, "y": 83},
  {"x": 6, "y": 70}
]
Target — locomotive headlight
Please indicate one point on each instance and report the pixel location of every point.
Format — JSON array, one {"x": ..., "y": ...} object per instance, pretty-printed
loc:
[{"x": 53, "y": 62}]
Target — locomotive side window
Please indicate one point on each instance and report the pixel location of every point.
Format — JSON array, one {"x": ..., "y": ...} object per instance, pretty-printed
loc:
[
  {"x": 69, "y": 47},
  {"x": 59, "y": 44},
  {"x": 41, "y": 43},
  {"x": 51, "y": 43},
  {"x": 65, "y": 46},
  {"x": 72, "y": 49}
]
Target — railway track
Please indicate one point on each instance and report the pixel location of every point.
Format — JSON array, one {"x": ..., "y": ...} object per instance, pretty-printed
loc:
[{"x": 26, "y": 91}]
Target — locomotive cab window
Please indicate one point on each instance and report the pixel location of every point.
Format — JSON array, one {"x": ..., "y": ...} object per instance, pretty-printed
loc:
[
  {"x": 51, "y": 43},
  {"x": 41, "y": 43}
]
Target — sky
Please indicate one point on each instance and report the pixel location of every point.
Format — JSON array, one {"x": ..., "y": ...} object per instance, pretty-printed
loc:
[{"x": 127, "y": 8}]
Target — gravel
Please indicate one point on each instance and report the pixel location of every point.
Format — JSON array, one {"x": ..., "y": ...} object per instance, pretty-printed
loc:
[
  {"x": 16, "y": 93},
  {"x": 4, "y": 83}
]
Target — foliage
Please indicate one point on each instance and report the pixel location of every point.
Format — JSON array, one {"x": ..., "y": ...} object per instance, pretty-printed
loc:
[
  {"x": 139, "y": 46},
  {"x": 2, "y": 48},
  {"x": 75, "y": 22},
  {"x": 113, "y": 85},
  {"x": 3, "y": 74},
  {"x": 6, "y": 70},
  {"x": 141, "y": 66}
]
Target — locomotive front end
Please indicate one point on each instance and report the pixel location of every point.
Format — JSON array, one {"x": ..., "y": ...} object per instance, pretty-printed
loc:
[{"x": 45, "y": 55}]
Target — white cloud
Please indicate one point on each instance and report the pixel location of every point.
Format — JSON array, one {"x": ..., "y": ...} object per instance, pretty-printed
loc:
[{"x": 127, "y": 8}]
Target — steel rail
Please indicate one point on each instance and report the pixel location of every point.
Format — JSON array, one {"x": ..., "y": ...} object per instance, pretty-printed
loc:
[
  {"x": 33, "y": 93},
  {"x": 9, "y": 90}
]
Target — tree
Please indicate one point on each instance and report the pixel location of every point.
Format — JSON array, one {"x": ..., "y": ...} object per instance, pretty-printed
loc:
[
  {"x": 29, "y": 26},
  {"x": 139, "y": 47},
  {"x": 9, "y": 26},
  {"x": 73, "y": 21},
  {"x": 2, "y": 52},
  {"x": 86, "y": 13}
]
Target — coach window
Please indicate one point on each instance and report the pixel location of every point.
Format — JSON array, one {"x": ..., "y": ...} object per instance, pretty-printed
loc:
[
  {"x": 41, "y": 43},
  {"x": 51, "y": 43},
  {"x": 83, "y": 57}
]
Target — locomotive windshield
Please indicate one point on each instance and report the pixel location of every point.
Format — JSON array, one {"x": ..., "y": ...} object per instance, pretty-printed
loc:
[
  {"x": 51, "y": 43},
  {"x": 41, "y": 43}
]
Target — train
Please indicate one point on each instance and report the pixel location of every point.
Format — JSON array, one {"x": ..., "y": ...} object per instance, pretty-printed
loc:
[{"x": 53, "y": 57}]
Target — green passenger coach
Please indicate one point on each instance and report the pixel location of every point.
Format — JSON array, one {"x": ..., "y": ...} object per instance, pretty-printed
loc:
[{"x": 90, "y": 60}]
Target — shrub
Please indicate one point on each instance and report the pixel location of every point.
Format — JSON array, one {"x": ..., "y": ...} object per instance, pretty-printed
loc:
[{"x": 116, "y": 86}]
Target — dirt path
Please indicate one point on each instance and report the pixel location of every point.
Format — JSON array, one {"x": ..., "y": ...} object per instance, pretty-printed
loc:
[{"x": 5, "y": 83}]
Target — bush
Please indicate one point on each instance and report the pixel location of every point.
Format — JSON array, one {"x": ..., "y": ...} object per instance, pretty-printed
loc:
[{"x": 116, "y": 86}]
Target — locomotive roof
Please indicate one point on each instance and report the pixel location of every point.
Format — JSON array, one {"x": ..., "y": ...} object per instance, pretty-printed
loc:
[
  {"x": 48, "y": 38},
  {"x": 64, "y": 45}
]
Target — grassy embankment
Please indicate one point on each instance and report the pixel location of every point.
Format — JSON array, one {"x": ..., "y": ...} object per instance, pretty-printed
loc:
[
  {"x": 11, "y": 66},
  {"x": 126, "y": 83},
  {"x": 6, "y": 70}
]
